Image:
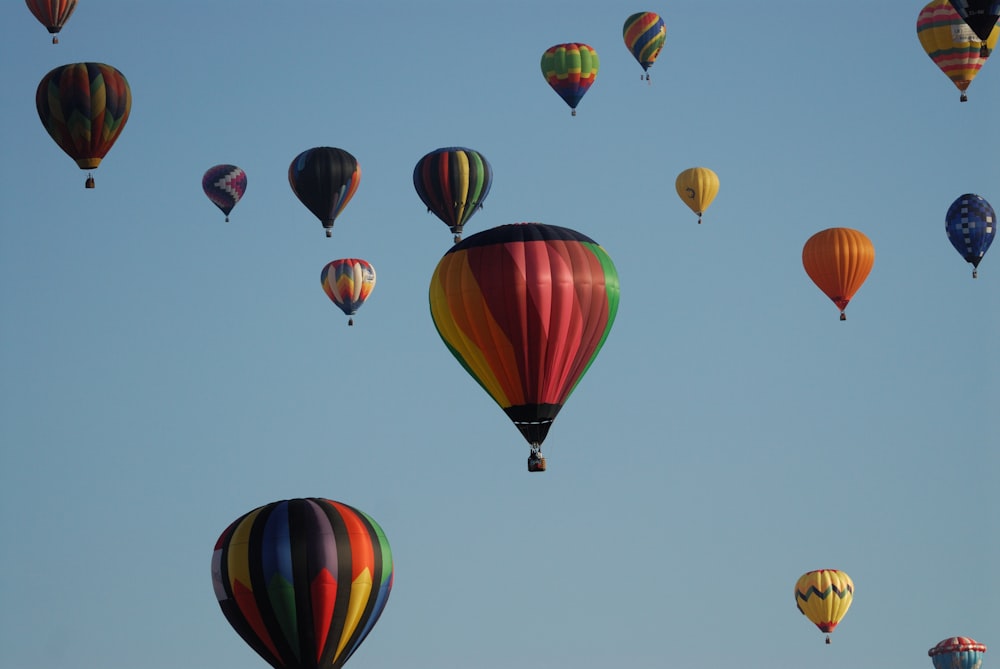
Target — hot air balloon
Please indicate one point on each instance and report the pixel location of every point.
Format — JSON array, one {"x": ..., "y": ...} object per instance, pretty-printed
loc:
[
  {"x": 838, "y": 260},
  {"x": 644, "y": 35},
  {"x": 971, "y": 226},
  {"x": 453, "y": 182},
  {"x": 84, "y": 107},
  {"x": 958, "y": 652},
  {"x": 697, "y": 187},
  {"x": 324, "y": 179},
  {"x": 570, "y": 70},
  {"x": 525, "y": 308},
  {"x": 224, "y": 185},
  {"x": 303, "y": 581},
  {"x": 981, "y": 16},
  {"x": 951, "y": 44},
  {"x": 348, "y": 282},
  {"x": 53, "y": 14},
  {"x": 823, "y": 596}
]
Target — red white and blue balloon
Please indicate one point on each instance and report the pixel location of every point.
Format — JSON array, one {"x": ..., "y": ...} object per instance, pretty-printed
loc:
[
  {"x": 957, "y": 652},
  {"x": 224, "y": 185}
]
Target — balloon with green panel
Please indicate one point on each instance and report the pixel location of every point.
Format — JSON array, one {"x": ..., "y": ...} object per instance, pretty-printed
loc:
[{"x": 525, "y": 308}]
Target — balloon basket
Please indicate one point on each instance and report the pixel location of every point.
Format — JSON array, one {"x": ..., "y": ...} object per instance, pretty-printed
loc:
[
  {"x": 536, "y": 464},
  {"x": 843, "y": 316},
  {"x": 329, "y": 232},
  {"x": 89, "y": 183}
]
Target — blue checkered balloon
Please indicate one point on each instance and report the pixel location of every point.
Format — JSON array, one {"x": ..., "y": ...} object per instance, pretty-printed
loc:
[{"x": 971, "y": 225}]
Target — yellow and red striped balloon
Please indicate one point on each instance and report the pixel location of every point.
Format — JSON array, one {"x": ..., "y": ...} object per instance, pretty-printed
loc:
[{"x": 952, "y": 44}]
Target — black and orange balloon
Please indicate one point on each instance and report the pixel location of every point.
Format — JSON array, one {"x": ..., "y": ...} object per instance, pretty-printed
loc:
[
  {"x": 525, "y": 308},
  {"x": 303, "y": 581}
]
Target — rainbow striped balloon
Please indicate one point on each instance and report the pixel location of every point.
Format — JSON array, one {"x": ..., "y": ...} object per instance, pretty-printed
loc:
[{"x": 644, "y": 34}]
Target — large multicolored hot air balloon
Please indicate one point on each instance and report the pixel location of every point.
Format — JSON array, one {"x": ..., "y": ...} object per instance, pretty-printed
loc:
[
  {"x": 838, "y": 260},
  {"x": 823, "y": 596},
  {"x": 303, "y": 581},
  {"x": 981, "y": 16},
  {"x": 958, "y": 652},
  {"x": 53, "y": 14},
  {"x": 951, "y": 43},
  {"x": 697, "y": 187},
  {"x": 224, "y": 185},
  {"x": 645, "y": 33},
  {"x": 453, "y": 182},
  {"x": 971, "y": 225},
  {"x": 525, "y": 308},
  {"x": 324, "y": 179},
  {"x": 348, "y": 282},
  {"x": 84, "y": 107},
  {"x": 570, "y": 69}
]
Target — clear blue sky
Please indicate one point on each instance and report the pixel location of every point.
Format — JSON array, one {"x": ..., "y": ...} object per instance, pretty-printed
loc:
[{"x": 163, "y": 372}]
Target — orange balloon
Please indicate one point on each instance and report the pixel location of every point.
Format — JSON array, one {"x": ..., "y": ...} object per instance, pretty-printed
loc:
[{"x": 838, "y": 260}]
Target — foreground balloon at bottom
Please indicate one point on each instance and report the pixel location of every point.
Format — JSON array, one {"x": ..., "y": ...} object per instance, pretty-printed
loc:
[
  {"x": 823, "y": 596},
  {"x": 303, "y": 581},
  {"x": 525, "y": 308},
  {"x": 348, "y": 282},
  {"x": 958, "y": 652}
]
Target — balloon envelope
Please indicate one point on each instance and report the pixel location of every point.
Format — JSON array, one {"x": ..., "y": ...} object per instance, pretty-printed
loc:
[
  {"x": 951, "y": 43},
  {"x": 53, "y": 14},
  {"x": 570, "y": 69},
  {"x": 838, "y": 261},
  {"x": 224, "y": 185},
  {"x": 453, "y": 182},
  {"x": 303, "y": 581},
  {"x": 525, "y": 308},
  {"x": 971, "y": 225},
  {"x": 824, "y": 596},
  {"x": 697, "y": 188},
  {"x": 644, "y": 34},
  {"x": 348, "y": 282},
  {"x": 324, "y": 179},
  {"x": 84, "y": 107},
  {"x": 957, "y": 652}
]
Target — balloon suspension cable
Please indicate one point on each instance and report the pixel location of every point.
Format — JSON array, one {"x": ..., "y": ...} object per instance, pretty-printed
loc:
[
  {"x": 350, "y": 321},
  {"x": 90, "y": 181}
]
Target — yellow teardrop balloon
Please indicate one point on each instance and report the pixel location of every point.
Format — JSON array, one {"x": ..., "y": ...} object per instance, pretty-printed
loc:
[{"x": 697, "y": 187}]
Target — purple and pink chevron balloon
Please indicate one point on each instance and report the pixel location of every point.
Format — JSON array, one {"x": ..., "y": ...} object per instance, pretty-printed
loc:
[{"x": 224, "y": 185}]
